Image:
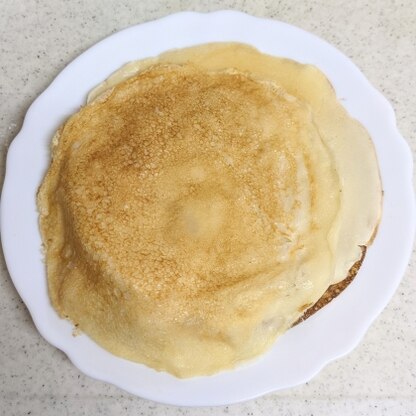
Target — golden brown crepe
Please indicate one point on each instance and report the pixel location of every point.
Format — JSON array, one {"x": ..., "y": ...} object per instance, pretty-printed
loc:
[{"x": 201, "y": 202}]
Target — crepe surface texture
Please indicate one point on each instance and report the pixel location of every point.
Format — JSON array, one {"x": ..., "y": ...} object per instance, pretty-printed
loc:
[{"x": 201, "y": 202}]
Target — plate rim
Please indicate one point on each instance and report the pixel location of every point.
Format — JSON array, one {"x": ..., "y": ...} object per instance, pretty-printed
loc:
[{"x": 15, "y": 149}]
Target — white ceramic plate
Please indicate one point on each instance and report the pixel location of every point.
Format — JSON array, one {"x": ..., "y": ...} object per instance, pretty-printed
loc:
[{"x": 302, "y": 351}]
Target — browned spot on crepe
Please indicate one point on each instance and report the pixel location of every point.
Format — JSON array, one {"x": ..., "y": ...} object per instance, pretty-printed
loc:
[{"x": 333, "y": 291}]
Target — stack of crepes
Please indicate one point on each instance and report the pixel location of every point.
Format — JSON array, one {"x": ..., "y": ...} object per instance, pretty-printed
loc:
[{"x": 201, "y": 202}]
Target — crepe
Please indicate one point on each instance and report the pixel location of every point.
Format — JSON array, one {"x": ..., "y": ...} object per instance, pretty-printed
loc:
[{"x": 201, "y": 202}]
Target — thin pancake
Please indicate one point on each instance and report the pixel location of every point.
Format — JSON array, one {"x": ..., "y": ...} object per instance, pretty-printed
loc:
[{"x": 193, "y": 212}]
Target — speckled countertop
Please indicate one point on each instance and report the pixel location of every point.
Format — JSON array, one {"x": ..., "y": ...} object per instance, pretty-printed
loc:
[{"x": 38, "y": 39}]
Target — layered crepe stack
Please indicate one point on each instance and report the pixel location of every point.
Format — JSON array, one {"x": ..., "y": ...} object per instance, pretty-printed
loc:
[{"x": 201, "y": 202}]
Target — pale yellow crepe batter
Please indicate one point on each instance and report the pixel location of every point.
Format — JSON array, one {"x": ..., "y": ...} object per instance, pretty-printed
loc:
[{"x": 201, "y": 202}]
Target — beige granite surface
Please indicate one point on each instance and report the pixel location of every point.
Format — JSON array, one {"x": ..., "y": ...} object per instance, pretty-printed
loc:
[{"x": 39, "y": 38}]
